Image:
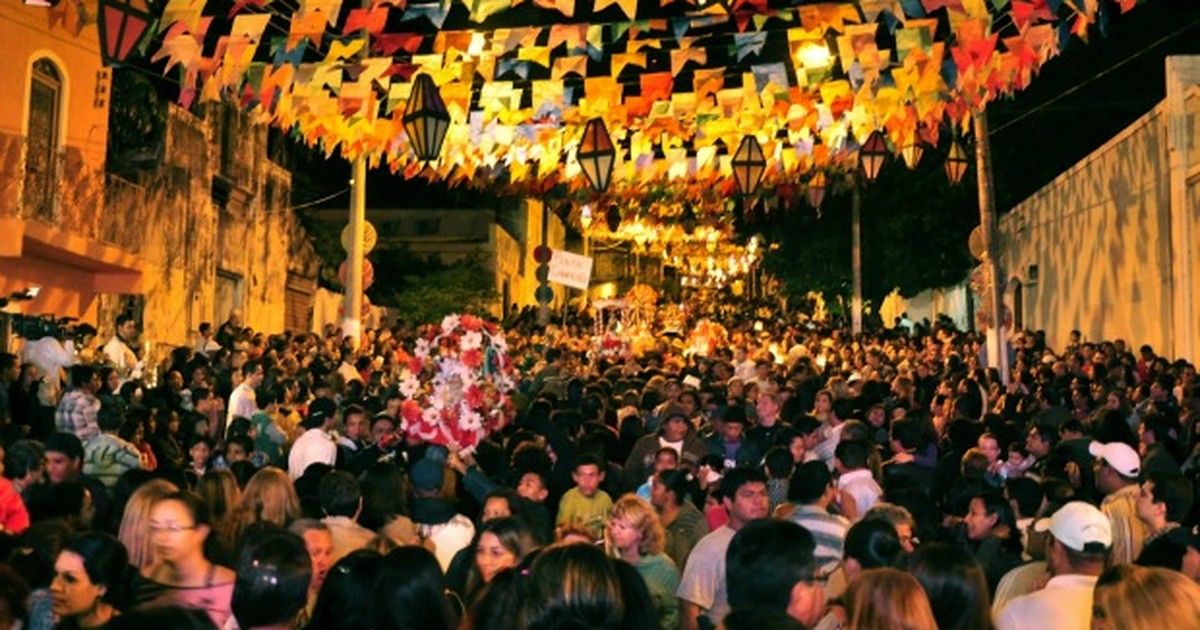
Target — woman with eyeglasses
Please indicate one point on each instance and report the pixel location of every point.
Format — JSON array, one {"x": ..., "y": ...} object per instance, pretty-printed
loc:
[
  {"x": 181, "y": 574},
  {"x": 89, "y": 581}
]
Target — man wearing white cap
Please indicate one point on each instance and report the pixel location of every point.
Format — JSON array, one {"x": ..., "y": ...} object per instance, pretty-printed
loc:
[
  {"x": 1080, "y": 537},
  {"x": 1117, "y": 468}
]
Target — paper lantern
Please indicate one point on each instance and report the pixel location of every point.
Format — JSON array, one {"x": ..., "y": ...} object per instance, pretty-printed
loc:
[
  {"x": 123, "y": 24},
  {"x": 956, "y": 162},
  {"x": 597, "y": 154},
  {"x": 613, "y": 218},
  {"x": 749, "y": 164},
  {"x": 816, "y": 190},
  {"x": 872, "y": 155},
  {"x": 912, "y": 153},
  {"x": 426, "y": 119},
  {"x": 687, "y": 220}
]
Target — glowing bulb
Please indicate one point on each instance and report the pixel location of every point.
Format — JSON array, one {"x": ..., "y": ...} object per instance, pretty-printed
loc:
[
  {"x": 475, "y": 48},
  {"x": 815, "y": 55}
]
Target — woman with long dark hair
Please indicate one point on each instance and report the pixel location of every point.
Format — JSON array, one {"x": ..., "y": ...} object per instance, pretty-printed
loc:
[
  {"x": 345, "y": 598},
  {"x": 88, "y": 588},
  {"x": 993, "y": 536},
  {"x": 411, "y": 593},
  {"x": 957, "y": 589}
]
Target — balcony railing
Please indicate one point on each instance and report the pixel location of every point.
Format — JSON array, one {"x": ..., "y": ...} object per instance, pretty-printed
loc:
[{"x": 42, "y": 192}]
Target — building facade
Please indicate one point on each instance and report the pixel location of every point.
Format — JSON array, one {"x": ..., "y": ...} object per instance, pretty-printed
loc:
[
  {"x": 1112, "y": 246},
  {"x": 197, "y": 223}
]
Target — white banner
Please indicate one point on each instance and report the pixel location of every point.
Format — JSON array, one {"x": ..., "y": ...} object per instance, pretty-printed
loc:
[{"x": 570, "y": 270}]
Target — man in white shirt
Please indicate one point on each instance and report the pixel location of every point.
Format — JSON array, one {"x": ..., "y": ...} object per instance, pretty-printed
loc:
[
  {"x": 206, "y": 344},
  {"x": 243, "y": 401},
  {"x": 119, "y": 349},
  {"x": 702, "y": 588},
  {"x": 314, "y": 446},
  {"x": 1076, "y": 550},
  {"x": 854, "y": 478}
]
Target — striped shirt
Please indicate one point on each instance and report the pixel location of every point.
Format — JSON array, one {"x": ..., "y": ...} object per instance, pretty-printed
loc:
[{"x": 829, "y": 531}]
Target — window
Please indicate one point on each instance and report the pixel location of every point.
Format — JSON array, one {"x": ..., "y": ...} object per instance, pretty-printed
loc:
[{"x": 41, "y": 150}]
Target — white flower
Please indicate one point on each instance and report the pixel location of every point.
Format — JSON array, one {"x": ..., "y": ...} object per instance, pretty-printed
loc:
[
  {"x": 471, "y": 341},
  {"x": 449, "y": 323},
  {"x": 470, "y": 419},
  {"x": 422, "y": 349},
  {"x": 409, "y": 387}
]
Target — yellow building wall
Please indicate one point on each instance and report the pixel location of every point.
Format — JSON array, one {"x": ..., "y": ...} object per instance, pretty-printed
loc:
[{"x": 68, "y": 282}]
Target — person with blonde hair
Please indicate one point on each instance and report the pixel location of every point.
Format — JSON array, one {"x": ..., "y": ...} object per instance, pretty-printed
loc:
[
  {"x": 134, "y": 531},
  {"x": 270, "y": 497},
  {"x": 1138, "y": 598},
  {"x": 636, "y": 535},
  {"x": 888, "y": 599}
]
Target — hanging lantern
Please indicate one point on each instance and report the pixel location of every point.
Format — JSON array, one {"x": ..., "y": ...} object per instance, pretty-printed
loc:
[
  {"x": 613, "y": 218},
  {"x": 688, "y": 220},
  {"x": 426, "y": 119},
  {"x": 597, "y": 154},
  {"x": 872, "y": 155},
  {"x": 956, "y": 162},
  {"x": 816, "y": 190},
  {"x": 749, "y": 164},
  {"x": 912, "y": 153},
  {"x": 123, "y": 24}
]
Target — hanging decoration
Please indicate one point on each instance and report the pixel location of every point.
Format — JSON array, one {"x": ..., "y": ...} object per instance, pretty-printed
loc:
[{"x": 672, "y": 94}]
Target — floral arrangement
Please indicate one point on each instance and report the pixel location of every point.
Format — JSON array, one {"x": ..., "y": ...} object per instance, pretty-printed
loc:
[
  {"x": 458, "y": 383},
  {"x": 707, "y": 336},
  {"x": 674, "y": 319},
  {"x": 609, "y": 347}
]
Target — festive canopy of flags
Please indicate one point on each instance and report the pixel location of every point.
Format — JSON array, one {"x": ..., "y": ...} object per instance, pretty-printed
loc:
[{"x": 678, "y": 84}]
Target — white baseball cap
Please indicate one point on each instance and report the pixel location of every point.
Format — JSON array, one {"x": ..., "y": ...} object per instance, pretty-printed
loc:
[
  {"x": 1119, "y": 455},
  {"x": 1080, "y": 526}
]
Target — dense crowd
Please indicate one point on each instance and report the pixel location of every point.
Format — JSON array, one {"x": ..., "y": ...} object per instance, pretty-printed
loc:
[{"x": 791, "y": 476}]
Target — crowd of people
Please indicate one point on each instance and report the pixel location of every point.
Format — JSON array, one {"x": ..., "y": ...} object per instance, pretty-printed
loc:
[{"x": 792, "y": 477}]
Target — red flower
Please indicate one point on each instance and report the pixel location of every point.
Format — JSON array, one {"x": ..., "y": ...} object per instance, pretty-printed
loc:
[
  {"x": 410, "y": 411},
  {"x": 475, "y": 397},
  {"x": 472, "y": 359},
  {"x": 470, "y": 323},
  {"x": 415, "y": 365}
]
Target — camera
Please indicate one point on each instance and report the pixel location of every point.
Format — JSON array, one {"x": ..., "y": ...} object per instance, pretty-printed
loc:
[{"x": 32, "y": 328}]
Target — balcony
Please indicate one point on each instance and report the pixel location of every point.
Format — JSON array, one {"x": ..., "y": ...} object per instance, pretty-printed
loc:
[{"x": 59, "y": 188}]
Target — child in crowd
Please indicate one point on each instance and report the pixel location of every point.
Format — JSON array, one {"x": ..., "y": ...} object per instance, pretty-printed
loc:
[{"x": 586, "y": 504}]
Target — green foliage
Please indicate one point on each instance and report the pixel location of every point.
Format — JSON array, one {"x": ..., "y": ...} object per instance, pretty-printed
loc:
[
  {"x": 914, "y": 235},
  {"x": 427, "y": 290},
  {"x": 137, "y": 122}
]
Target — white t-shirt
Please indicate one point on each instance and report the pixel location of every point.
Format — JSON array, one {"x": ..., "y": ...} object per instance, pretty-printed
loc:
[
  {"x": 862, "y": 486},
  {"x": 313, "y": 447},
  {"x": 703, "y": 582},
  {"x": 1065, "y": 604},
  {"x": 242, "y": 403}
]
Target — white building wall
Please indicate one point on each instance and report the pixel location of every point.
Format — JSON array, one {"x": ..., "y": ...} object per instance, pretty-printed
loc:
[{"x": 1100, "y": 237}]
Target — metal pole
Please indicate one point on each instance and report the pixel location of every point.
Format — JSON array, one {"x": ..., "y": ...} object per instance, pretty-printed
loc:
[
  {"x": 352, "y": 320},
  {"x": 997, "y": 342},
  {"x": 543, "y": 317},
  {"x": 856, "y": 304}
]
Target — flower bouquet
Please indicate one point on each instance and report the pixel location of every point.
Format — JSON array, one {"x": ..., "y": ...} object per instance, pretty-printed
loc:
[
  {"x": 609, "y": 347},
  {"x": 458, "y": 383}
]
